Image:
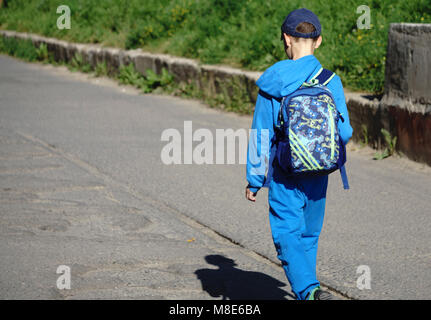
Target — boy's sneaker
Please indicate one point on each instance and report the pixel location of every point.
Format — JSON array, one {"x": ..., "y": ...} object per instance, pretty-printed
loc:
[{"x": 319, "y": 294}]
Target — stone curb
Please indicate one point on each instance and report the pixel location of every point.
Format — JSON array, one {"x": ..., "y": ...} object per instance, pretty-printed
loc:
[
  {"x": 212, "y": 80},
  {"x": 412, "y": 130}
]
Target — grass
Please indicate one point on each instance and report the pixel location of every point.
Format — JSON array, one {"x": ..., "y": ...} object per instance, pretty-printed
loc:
[
  {"x": 242, "y": 34},
  {"x": 148, "y": 83},
  {"x": 364, "y": 141},
  {"x": 390, "y": 142},
  {"x": 22, "y": 49},
  {"x": 78, "y": 64}
]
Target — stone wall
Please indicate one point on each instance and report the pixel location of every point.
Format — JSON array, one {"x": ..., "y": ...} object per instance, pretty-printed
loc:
[{"x": 407, "y": 97}]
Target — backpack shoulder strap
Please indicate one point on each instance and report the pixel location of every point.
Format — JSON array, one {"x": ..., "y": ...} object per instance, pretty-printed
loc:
[
  {"x": 324, "y": 76},
  {"x": 344, "y": 177},
  {"x": 268, "y": 96}
]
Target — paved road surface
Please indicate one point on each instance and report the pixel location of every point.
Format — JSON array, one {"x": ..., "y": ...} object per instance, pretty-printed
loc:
[{"x": 83, "y": 185}]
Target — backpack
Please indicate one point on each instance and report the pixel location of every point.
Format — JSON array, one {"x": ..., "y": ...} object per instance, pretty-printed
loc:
[{"x": 307, "y": 140}]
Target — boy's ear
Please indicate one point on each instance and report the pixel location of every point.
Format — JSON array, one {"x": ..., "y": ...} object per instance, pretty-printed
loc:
[
  {"x": 286, "y": 39},
  {"x": 318, "y": 42}
]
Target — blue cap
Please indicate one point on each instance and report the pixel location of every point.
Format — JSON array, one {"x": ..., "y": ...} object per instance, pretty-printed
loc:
[{"x": 295, "y": 18}]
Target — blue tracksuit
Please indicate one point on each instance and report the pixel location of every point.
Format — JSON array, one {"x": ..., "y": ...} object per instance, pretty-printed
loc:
[{"x": 297, "y": 205}]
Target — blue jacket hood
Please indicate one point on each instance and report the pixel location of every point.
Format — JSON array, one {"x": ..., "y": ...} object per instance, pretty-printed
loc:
[{"x": 285, "y": 76}]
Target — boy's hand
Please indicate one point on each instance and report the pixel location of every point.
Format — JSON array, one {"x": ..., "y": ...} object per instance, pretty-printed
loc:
[{"x": 250, "y": 195}]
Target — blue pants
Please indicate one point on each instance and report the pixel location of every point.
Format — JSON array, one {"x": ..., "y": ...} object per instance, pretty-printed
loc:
[{"x": 296, "y": 212}]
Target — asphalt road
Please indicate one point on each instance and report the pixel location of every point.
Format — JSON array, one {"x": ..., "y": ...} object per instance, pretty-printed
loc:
[{"x": 95, "y": 150}]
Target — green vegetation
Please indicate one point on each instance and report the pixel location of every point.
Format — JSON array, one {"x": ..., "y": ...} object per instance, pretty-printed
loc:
[
  {"x": 78, "y": 64},
  {"x": 364, "y": 141},
  {"x": 42, "y": 52},
  {"x": 148, "y": 83},
  {"x": 23, "y": 49},
  {"x": 101, "y": 70},
  {"x": 239, "y": 33},
  {"x": 390, "y": 146}
]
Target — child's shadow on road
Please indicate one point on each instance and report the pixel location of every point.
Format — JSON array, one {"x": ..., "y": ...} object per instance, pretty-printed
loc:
[{"x": 231, "y": 283}]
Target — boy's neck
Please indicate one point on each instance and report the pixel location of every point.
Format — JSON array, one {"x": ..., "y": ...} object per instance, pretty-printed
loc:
[{"x": 301, "y": 53}]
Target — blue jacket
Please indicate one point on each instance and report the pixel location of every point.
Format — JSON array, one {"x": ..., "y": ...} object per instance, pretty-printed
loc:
[{"x": 279, "y": 80}]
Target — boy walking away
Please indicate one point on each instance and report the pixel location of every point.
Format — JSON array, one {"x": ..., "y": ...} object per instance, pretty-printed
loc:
[{"x": 301, "y": 126}]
